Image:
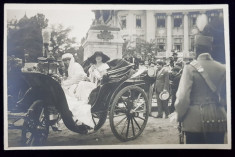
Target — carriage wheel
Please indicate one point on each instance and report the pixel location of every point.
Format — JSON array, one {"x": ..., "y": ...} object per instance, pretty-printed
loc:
[
  {"x": 36, "y": 125},
  {"x": 129, "y": 113},
  {"x": 99, "y": 119}
]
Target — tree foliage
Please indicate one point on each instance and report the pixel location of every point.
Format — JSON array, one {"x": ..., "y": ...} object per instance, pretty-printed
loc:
[
  {"x": 143, "y": 48},
  {"x": 60, "y": 42},
  {"x": 25, "y": 37}
]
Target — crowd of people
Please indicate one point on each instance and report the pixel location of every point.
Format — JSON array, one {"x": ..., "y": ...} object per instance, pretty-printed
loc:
[
  {"x": 197, "y": 90},
  {"x": 167, "y": 72}
]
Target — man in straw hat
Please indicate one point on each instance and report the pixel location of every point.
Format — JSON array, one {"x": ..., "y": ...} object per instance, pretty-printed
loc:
[{"x": 162, "y": 84}]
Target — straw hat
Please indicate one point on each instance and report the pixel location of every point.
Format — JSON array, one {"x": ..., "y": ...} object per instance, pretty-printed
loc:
[{"x": 164, "y": 95}]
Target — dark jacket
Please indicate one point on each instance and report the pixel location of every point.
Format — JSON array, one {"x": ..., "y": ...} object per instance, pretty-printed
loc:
[
  {"x": 162, "y": 81},
  {"x": 175, "y": 82},
  {"x": 135, "y": 61},
  {"x": 194, "y": 90}
]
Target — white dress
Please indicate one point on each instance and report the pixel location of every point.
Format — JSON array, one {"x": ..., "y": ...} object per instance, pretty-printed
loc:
[{"x": 77, "y": 92}]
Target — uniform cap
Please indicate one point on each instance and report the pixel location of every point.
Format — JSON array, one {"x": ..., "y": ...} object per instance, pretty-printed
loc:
[{"x": 201, "y": 40}]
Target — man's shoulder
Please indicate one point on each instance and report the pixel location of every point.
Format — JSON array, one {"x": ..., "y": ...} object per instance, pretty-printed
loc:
[
  {"x": 213, "y": 65},
  {"x": 189, "y": 67},
  {"x": 220, "y": 65}
]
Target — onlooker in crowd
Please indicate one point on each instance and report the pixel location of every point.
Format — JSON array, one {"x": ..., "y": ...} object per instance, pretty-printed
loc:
[
  {"x": 175, "y": 76},
  {"x": 201, "y": 89},
  {"x": 146, "y": 63},
  {"x": 161, "y": 84},
  {"x": 127, "y": 58},
  {"x": 135, "y": 61},
  {"x": 174, "y": 59}
]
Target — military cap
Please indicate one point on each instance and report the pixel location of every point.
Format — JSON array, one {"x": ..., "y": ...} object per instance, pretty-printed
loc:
[{"x": 201, "y": 40}]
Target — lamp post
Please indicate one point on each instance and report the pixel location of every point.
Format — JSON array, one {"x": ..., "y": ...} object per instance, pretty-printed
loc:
[
  {"x": 51, "y": 67},
  {"x": 46, "y": 35}
]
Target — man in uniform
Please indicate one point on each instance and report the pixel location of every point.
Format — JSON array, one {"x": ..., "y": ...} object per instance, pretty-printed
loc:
[
  {"x": 196, "y": 101},
  {"x": 162, "y": 84}
]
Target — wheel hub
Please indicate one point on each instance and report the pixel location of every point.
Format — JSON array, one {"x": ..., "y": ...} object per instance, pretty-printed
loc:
[{"x": 132, "y": 114}]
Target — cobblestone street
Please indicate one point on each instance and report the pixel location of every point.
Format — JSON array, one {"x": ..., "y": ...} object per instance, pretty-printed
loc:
[{"x": 157, "y": 131}]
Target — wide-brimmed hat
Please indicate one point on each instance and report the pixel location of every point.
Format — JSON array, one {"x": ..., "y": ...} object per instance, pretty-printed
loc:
[{"x": 105, "y": 58}]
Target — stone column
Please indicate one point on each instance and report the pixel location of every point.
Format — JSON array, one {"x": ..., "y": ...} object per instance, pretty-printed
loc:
[
  {"x": 169, "y": 35},
  {"x": 130, "y": 25},
  {"x": 186, "y": 36},
  {"x": 150, "y": 25}
]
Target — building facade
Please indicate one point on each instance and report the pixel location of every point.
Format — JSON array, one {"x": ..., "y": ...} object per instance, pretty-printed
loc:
[{"x": 170, "y": 30}]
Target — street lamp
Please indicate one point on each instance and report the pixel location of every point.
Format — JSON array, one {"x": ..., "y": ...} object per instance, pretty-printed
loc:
[
  {"x": 48, "y": 62},
  {"x": 46, "y": 35}
]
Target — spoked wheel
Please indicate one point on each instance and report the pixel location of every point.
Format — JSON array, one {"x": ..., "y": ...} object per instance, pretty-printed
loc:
[
  {"x": 129, "y": 113},
  {"x": 99, "y": 119},
  {"x": 36, "y": 125}
]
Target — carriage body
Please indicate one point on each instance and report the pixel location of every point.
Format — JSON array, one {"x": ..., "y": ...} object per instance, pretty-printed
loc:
[{"x": 42, "y": 92}]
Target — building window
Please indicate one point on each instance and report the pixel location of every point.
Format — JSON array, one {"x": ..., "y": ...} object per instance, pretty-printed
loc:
[
  {"x": 178, "y": 47},
  {"x": 178, "y": 21},
  {"x": 212, "y": 15},
  {"x": 161, "y": 20},
  {"x": 138, "y": 40},
  {"x": 161, "y": 23},
  {"x": 138, "y": 21},
  {"x": 123, "y": 21},
  {"x": 161, "y": 44},
  {"x": 178, "y": 44},
  {"x": 193, "y": 18}
]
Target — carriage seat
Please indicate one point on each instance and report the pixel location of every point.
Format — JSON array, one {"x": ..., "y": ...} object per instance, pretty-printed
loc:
[{"x": 119, "y": 70}]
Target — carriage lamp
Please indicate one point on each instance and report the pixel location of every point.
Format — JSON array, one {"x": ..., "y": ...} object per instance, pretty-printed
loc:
[{"x": 48, "y": 65}]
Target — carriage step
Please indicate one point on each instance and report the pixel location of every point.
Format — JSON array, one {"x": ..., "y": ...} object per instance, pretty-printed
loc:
[
  {"x": 12, "y": 126},
  {"x": 17, "y": 115}
]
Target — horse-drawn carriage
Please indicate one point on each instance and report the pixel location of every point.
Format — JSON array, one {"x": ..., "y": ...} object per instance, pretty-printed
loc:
[{"x": 124, "y": 96}]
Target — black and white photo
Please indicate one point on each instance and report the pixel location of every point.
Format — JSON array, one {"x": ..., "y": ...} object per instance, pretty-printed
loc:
[{"x": 79, "y": 76}]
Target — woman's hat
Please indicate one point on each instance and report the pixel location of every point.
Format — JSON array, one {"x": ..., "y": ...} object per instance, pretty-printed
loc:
[
  {"x": 105, "y": 58},
  {"x": 164, "y": 95}
]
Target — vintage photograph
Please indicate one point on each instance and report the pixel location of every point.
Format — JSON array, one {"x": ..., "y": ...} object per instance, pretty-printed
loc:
[{"x": 82, "y": 76}]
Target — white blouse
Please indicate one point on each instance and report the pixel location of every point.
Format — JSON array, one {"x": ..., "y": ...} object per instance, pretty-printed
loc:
[{"x": 97, "y": 72}]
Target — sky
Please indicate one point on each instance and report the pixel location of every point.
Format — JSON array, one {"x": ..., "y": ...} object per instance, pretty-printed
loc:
[{"x": 79, "y": 20}]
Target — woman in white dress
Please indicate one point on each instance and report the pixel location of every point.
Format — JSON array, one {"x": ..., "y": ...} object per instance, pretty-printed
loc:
[
  {"x": 77, "y": 89},
  {"x": 99, "y": 67}
]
